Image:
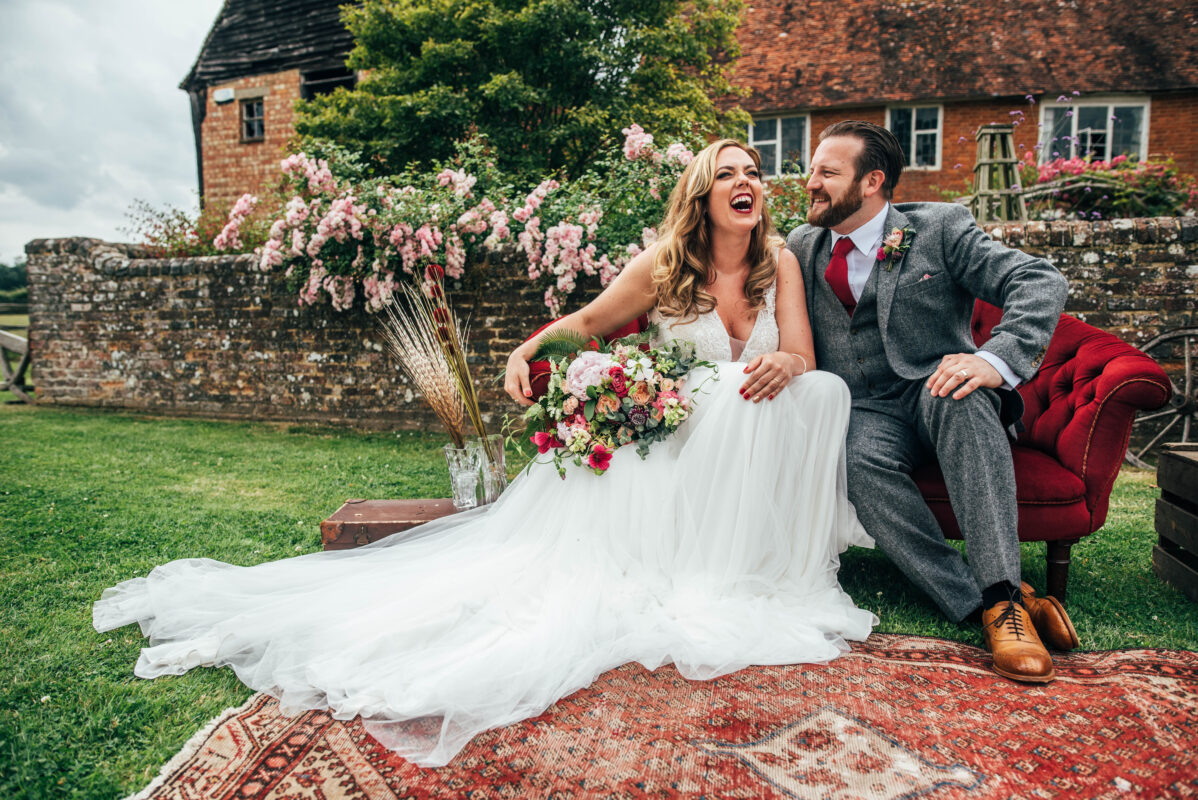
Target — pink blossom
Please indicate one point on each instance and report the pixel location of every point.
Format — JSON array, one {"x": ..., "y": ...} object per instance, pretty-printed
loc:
[
  {"x": 680, "y": 153},
  {"x": 311, "y": 290},
  {"x": 462, "y": 183},
  {"x": 455, "y": 257},
  {"x": 341, "y": 291},
  {"x": 297, "y": 243},
  {"x": 272, "y": 255},
  {"x": 229, "y": 237},
  {"x": 636, "y": 142}
]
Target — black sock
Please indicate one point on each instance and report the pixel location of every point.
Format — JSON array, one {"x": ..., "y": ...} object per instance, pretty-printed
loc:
[{"x": 998, "y": 593}]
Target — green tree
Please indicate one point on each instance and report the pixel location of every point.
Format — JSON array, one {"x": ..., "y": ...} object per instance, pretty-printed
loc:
[
  {"x": 546, "y": 81},
  {"x": 15, "y": 275}
]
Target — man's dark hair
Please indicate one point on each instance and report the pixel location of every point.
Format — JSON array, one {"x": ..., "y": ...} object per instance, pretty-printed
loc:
[{"x": 881, "y": 151}]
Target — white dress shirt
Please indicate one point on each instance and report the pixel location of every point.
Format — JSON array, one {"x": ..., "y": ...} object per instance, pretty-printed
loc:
[{"x": 864, "y": 257}]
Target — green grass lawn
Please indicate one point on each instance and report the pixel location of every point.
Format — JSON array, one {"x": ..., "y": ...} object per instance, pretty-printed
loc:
[
  {"x": 89, "y": 498},
  {"x": 17, "y": 323}
]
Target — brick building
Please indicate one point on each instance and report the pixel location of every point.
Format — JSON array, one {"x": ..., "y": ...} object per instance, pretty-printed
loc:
[
  {"x": 934, "y": 70},
  {"x": 259, "y": 58},
  {"x": 931, "y": 70}
]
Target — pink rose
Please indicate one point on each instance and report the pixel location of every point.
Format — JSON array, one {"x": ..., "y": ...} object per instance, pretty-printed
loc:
[
  {"x": 894, "y": 239},
  {"x": 882, "y": 253}
]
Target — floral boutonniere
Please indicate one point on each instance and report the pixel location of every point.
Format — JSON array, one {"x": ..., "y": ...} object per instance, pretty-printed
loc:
[{"x": 896, "y": 243}]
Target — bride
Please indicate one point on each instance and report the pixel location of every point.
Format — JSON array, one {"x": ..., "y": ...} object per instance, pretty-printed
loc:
[{"x": 717, "y": 551}]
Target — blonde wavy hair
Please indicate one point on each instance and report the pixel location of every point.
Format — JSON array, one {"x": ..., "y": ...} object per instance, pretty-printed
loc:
[{"x": 682, "y": 264}]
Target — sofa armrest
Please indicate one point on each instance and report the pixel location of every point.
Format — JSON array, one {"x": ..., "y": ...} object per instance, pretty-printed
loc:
[{"x": 1087, "y": 400}]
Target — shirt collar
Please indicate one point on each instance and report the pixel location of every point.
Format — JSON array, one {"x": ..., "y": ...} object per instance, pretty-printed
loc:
[{"x": 868, "y": 235}]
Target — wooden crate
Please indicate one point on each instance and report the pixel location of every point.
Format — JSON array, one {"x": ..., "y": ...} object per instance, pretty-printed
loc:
[
  {"x": 360, "y": 522},
  {"x": 1175, "y": 558}
]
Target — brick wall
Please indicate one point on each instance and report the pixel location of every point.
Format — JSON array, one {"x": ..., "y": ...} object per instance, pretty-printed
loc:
[
  {"x": 215, "y": 337},
  {"x": 1172, "y": 128},
  {"x": 231, "y": 166},
  {"x": 1173, "y": 119}
]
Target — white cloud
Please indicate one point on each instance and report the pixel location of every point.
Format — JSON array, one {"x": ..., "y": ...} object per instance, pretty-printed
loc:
[{"x": 91, "y": 116}]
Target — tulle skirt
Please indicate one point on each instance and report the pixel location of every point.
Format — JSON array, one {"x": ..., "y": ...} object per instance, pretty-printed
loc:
[{"x": 718, "y": 551}]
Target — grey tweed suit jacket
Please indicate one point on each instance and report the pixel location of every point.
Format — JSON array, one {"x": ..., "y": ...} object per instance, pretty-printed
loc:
[{"x": 925, "y": 300}]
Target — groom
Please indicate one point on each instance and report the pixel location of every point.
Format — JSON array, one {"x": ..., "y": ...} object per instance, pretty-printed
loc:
[{"x": 890, "y": 292}]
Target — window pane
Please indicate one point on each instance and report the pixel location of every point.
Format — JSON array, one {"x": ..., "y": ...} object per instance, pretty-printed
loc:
[
  {"x": 1128, "y": 131},
  {"x": 1091, "y": 131},
  {"x": 764, "y": 131},
  {"x": 900, "y": 126},
  {"x": 769, "y": 158},
  {"x": 925, "y": 149},
  {"x": 927, "y": 119},
  {"x": 1057, "y": 130},
  {"x": 794, "y": 136}
]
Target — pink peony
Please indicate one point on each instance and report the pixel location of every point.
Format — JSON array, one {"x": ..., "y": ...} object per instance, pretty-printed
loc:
[{"x": 586, "y": 370}]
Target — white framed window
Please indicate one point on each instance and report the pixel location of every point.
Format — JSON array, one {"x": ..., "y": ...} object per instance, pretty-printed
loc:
[
  {"x": 918, "y": 130},
  {"x": 1094, "y": 127},
  {"x": 782, "y": 142}
]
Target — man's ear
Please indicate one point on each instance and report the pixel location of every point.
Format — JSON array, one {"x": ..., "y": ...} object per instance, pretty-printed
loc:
[{"x": 874, "y": 181}]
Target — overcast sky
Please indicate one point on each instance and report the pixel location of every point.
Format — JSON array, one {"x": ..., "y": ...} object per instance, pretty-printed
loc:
[{"x": 91, "y": 116}]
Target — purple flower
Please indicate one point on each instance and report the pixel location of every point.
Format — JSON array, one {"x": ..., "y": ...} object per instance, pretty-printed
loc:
[
  {"x": 638, "y": 415},
  {"x": 1030, "y": 99}
]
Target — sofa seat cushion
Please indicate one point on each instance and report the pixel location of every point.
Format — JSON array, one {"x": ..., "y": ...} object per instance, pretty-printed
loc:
[{"x": 1052, "y": 500}]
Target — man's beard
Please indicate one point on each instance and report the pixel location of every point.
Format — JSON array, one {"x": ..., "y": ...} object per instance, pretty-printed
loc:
[{"x": 839, "y": 211}]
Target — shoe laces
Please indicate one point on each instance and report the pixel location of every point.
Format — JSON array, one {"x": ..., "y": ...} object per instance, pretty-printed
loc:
[{"x": 1011, "y": 617}]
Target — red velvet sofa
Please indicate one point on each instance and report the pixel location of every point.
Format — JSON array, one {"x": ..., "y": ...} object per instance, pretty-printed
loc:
[{"x": 1078, "y": 413}]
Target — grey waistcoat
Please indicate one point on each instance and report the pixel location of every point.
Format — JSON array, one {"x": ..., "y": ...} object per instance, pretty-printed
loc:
[{"x": 852, "y": 346}]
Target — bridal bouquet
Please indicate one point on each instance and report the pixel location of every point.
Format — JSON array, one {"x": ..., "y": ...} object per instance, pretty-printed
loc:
[{"x": 601, "y": 399}]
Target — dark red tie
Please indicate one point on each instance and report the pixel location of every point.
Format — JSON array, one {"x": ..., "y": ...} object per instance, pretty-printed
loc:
[{"x": 837, "y": 274}]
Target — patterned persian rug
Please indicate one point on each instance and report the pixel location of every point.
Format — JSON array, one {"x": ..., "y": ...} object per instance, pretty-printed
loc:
[{"x": 899, "y": 717}]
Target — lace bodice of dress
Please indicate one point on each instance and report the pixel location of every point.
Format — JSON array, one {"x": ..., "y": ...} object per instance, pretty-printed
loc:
[{"x": 711, "y": 340}]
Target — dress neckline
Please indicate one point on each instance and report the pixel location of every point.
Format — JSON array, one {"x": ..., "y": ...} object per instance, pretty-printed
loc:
[{"x": 731, "y": 337}]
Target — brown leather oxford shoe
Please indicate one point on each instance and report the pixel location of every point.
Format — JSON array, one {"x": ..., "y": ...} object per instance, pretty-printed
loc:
[
  {"x": 1012, "y": 641},
  {"x": 1050, "y": 619}
]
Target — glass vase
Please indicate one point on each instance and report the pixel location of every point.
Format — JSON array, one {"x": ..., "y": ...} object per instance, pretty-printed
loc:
[
  {"x": 490, "y": 458},
  {"x": 463, "y": 475}
]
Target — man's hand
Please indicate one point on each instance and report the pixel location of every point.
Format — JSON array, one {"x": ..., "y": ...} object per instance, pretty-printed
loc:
[{"x": 962, "y": 372}]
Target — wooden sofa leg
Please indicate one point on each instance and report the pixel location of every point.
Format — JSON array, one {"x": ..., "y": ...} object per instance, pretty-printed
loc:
[{"x": 1057, "y": 556}]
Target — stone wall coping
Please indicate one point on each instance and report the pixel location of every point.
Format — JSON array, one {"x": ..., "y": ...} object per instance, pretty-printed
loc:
[{"x": 1142, "y": 230}]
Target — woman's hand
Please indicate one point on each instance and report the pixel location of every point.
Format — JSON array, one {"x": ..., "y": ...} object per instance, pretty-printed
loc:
[
  {"x": 516, "y": 378},
  {"x": 769, "y": 373}
]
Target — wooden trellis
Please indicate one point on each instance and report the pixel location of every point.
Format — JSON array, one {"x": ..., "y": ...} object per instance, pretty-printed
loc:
[{"x": 997, "y": 196}]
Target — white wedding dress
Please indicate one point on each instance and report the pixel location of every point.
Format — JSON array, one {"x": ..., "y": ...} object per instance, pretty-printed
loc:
[{"x": 718, "y": 551}]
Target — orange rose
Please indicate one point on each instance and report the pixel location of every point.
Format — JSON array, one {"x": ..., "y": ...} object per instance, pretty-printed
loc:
[
  {"x": 640, "y": 393},
  {"x": 607, "y": 404}
]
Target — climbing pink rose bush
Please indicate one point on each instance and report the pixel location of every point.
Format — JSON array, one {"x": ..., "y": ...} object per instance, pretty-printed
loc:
[{"x": 347, "y": 240}]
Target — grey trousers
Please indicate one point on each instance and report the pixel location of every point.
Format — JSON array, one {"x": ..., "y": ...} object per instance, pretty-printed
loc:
[{"x": 888, "y": 438}]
